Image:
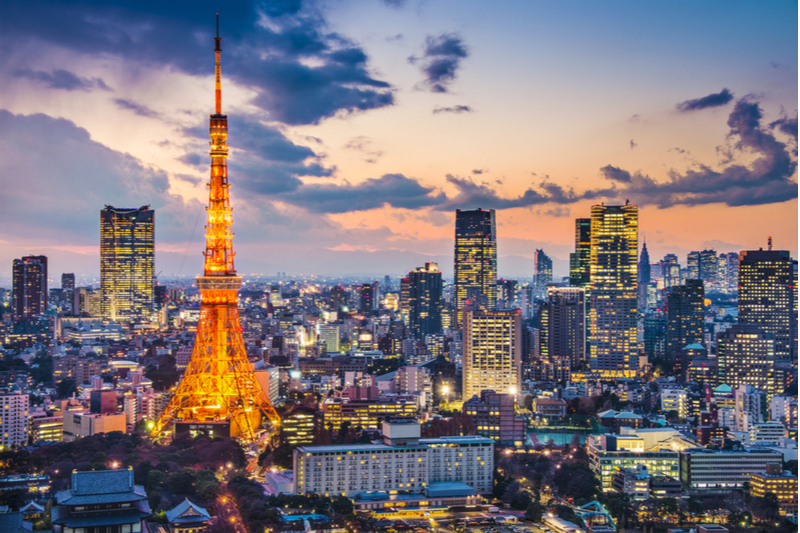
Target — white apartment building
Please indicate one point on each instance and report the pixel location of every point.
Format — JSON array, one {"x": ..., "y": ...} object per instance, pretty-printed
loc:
[
  {"x": 770, "y": 433},
  {"x": 747, "y": 406},
  {"x": 492, "y": 352},
  {"x": 675, "y": 400},
  {"x": 404, "y": 462},
  {"x": 13, "y": 420},
  {"x": 784, "y": 409}
]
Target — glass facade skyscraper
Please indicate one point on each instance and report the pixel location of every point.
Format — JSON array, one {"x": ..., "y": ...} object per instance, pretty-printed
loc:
[
  {"x": 579, "y": 260},
  {"x": 768, "y": 297},
  {"x": 613, "y": 290},
  {"x": 475, "y": 261},
  {"x": 425, "y": 300},
  {"x": 127, "y": 263},
  {"x": 543, "y": 274}
]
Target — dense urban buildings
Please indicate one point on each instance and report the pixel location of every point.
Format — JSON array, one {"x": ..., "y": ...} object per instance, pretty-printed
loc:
[
  {"x": 746, "y": 356},
  {"x": 475, "y": 267},
  {"x": 613, "y": 290},
  {"x": 29, "y": 295},
  {"x": 127, "y": 263},
  {"x": 492, "y": 355}
]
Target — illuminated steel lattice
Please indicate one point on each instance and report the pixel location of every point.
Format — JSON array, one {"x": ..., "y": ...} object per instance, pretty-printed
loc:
[{"x": 219, "y": 384}]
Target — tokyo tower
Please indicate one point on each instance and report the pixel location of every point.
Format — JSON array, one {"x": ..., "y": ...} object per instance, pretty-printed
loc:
[{"x": 219, "y": 393}]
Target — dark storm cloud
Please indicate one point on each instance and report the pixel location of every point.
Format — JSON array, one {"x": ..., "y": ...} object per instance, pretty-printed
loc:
[
  {"x": 394, "y": 190},
  {"x": 472, "y": 195},
  {"x": 62, "y": 79},
  {"x": 440, "y": 60},
  {"x": 454, "y": 109},
  {"x": 69, "y": 177},
  {"x": 300, "y": 72},
  {"x": 139, "y": 109},
  {"x": 712, "y": 100},
  {"x": 768, "y": 179}
]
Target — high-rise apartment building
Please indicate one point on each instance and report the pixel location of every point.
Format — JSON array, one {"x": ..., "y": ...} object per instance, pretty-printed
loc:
[
  {"x": 685, "y": 317},
  {"x": 425, "y": 300},
  {"x": 746, "y": 356},
  {"x": 671, "y": 270},
  {"x": 29, "y": 286},
  {"x": 579, "y": 275},
  {"x": 768, "y": 297},
  {"x": 543, "y": 274},
  {"x": 68, "y": 281},
  {"x": 492, "y": 352},
  {"x": 475, "y": 266},
  {"x": 127, "y": 263},
  {"x": 613, "y": 290},
  {"x": 13, "y": 420},
  {"x": 562, "y": 331}
]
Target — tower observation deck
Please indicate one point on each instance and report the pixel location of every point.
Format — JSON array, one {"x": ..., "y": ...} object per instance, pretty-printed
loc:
[{"x": 219, "y": 393}]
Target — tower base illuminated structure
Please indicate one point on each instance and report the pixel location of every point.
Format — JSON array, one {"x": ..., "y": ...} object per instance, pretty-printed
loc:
[{"x": 218, "y": 394}]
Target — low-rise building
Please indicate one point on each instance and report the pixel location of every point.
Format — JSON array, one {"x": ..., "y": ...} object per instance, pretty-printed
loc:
[
  {"x": 403, "y": 462},
  {"x": 610, "y": 453},
  {"x": 363, "y": 407},
  {"x": 614, "y": 420},
  {"x": 781, "y": 484},
  {"x": 549, "y": 407},
  {"x": 494, "y": 416},
  {"x": 187, "y": 517},
  {"x": 77, "y": 425},
  {"x": 675, "y": 400},
  {"x": 705, "y": 471}
]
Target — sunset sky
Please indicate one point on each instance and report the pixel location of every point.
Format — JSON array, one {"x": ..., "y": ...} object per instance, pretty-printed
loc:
[{"x": 358, "y": 127}]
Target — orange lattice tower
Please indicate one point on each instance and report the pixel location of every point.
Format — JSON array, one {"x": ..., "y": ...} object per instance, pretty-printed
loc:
[{"x": 219, "y": 389}]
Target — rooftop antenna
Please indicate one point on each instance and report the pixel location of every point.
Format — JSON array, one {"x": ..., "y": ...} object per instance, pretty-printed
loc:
[{"x": 769, "y": 242}]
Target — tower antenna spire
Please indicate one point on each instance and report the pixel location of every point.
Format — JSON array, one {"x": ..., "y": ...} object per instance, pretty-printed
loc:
[{"x": 218, "y": 71}]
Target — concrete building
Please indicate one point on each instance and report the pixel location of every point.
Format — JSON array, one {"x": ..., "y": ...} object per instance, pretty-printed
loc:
[
  {"x": 549, "y": 407},
  {"x": 77, "y": 425},
  {"x": 748, "y": 407},
  {"x": 492, "y": 352},
  {"x": 780, "y": 483},
  {"x": 610, "y": 453},
  {"x": 768, "y": 433},
  {"x": 675, "y": 400},
  {"x": 13, "y": 420},
  {"x": 705, "y": 471},
  {"x": 364, "y": 407},
  {"x": 746, "y": 355},
  {"x": 403, "y": 462},
  {"x": 494, "y": 416}
]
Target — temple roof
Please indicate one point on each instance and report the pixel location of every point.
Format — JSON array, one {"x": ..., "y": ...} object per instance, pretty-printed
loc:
[{"x": 186, "y": 511}]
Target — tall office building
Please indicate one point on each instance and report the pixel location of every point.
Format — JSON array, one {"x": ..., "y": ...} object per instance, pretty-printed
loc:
[
  {"x": 29, "y": 286},
  {"x": 405, "y": 294},
  {"x": 425, "y": 300},
  {"x": 543, "y": 273},
  {"x": 643, "y": 276},
  {"x": 731, "y": 270},
  {"x": 369, "y": 297},
  {"x": 475, "y": 266},
  {"x": 613, "y": 289},
  {"x": 579, "y": 260},
  {"x": 746, "y": 356},
  {"x": 709, "y": 269},
  {"x": 671, "y": 270},
  {"x": 768, "y": 297},
  {"x": 492, "y": 352},
  {"x": 685, "y": 319},
  {"x": 693, "y": 265},
  {"x": 338, "y": 298},
  {"x": 68, "y": 281},
  {"x": 562, "y": 331},
  {"x": 127, "y": 263}
]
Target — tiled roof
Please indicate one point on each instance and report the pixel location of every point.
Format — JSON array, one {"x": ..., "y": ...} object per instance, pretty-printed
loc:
[
  {"x": 101, "y": 486},
  {"x": 12, "y": 523},
  {"x": 186, "y": 511},
  {"x": 102, "y": 518}
]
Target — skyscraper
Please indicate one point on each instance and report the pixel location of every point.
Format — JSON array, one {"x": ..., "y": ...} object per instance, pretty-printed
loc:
[
  {"x": 709, "y": 270},
  {"x": 746, "y": 355},
  {"x": 475, "y": 266},
  {"x": 219, "y": 393},
  {"x": 562, "y": 333},
  {"x": 643, "y": 276},
  {"x": 613, "y": 290},
  {"x": 127, "y": 263},
  {"x": 29, "y": 286},
  {"x": 543, "y": 274},
  {"x": 768, "y": 297},
  {"x": 68, "y": 281},
  {"x": 693, "y": 265},
  {"x": 492, "y": 352},
  {"x": 579, "y": 260},
  {"x": 369, "y": 297},
  {"x": 425, "y": 300},
  {"x": 685, "y": 319},
  {"x": 671, "y": 270}
]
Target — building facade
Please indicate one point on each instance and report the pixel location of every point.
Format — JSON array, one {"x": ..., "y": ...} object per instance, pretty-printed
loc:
[
  {"x": 543, "y": 273},
  {"x": 705, "y": 471},
  {"x": 614, "y": 350},
  {"x": 127, "y": 263},
  {"x": 29, "y": 286},
  {"x": 492, "y": 352},
  {"x": 768, "y": 297},
  {"x": 746, "y": 356},
  {"x": 13, "y": 420},
  {"x": 425, "y": 300},
  {"x": 685, "y": 317},
  {"x": 475, "y": 269},
  {"x": 562, "y": 330},
  {"x": 579, "y": 275}
]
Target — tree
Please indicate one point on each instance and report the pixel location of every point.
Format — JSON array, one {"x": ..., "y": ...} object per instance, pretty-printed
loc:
[
  {"x": 66, "y": 388},
  {"x": 534, "y": 512}
]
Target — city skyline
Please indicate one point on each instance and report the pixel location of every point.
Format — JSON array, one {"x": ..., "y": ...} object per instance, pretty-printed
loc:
[{"x": 358, "y": 141}]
